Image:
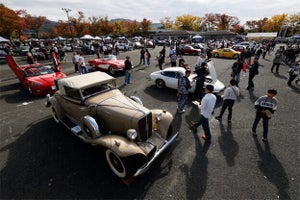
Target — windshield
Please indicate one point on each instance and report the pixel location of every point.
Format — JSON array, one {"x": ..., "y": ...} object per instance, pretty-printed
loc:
[
  {"x": 98, "y": 89},
  {"x": 109, "y": 57},
  {"x": 38, "y": 70}
]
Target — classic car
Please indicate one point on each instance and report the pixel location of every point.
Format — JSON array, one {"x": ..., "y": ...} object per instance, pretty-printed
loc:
[
  {"x": 187, "y": 49},
  {"x": 225, "y": 53},
  {"x": 124, "y": 47},
  {"x": 38, "y": 78},
  {"x": 168, "y": 78},
  {"x": 2, "y": 56},
  {"x": 21, "y": 51},
  {"x": 109, "y": 63},
  {"x": 238, "y": 47},
  {"x": 92, "y": 108}
]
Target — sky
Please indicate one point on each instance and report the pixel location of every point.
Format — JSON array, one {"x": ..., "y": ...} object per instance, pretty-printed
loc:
[{"x": 155, "y": 10}]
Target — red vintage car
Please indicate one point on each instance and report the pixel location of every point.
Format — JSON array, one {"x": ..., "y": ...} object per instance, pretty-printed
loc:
[
  {"x": 188, "y": 49},
  {"x": 38, "y": 78},
  {"x": 109, "y": 63}
]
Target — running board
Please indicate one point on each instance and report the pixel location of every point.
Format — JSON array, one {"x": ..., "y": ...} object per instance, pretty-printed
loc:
[{"x": 74, "y": 128}]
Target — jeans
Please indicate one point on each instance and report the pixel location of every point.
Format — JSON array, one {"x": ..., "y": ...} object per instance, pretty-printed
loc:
[
  {"x": 205, "y": 125},
  {"x": 127, "y": 77},
  {"x": 83, "y": 70},
  {"x": 258, "y": 116},
  {"x": 236, "y": 77},
  {"x": 182, "y": 98},
  {"x": 250, "y": 81},
  {"x": 227, "y": 103}
]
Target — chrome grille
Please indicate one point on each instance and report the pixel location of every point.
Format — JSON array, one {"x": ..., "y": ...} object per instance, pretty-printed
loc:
[{"x": 145, "y": 127}]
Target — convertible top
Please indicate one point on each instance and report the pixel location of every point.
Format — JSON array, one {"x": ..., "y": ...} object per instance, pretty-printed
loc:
[{"x": 84, "y": 80}]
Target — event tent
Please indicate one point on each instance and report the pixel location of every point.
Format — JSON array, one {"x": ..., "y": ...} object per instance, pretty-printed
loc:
[
  {"x": 2, "y": 39},
  {"x": 87, "y": 37}
]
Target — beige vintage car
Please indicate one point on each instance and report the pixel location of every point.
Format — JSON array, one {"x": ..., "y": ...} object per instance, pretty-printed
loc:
[{"x": 92, "y": 108}]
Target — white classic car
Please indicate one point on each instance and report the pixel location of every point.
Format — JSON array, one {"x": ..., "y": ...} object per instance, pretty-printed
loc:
[{"x": 169, "y": 78}]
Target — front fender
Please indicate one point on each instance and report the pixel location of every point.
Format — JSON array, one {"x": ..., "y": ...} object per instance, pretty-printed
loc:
[
  {"x": 120, "y": 145},
  {"x": 161, "y": 125}
]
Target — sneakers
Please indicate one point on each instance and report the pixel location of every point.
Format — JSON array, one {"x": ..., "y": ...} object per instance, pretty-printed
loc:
[
  {"x": 205, "y": 139},
  {"x": 180, "y": 111},
  {"x": 253, "y": 133},
  {"x": 264, "y": 139},
  {"x": 218, "y": 118}
]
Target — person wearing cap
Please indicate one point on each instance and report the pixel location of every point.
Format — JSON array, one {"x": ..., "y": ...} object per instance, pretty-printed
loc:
[
  {"x": 265, "y": 106},
  {"x": 183, "y": 90},
  {"x": 206, "y": 107},
  {"x": 127, "y": 68}
]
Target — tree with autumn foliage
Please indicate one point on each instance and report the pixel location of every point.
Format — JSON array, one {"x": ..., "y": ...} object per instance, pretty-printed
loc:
[
  {"x": 145, "y": 27},
  {"x": 10, "y": 22},
  {"x": 188, "y": 22},
  {"x": 274, "y": 24},
  {"x": 167, "y": 23},
  {"x": 217, "y": 21},
  {"x": 36, "y": 24},
  {"x": 293, "y": 22}
]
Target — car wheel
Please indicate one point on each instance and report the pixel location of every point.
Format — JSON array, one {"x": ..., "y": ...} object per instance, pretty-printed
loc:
[
  {"x": 116, "y": 164},
  {"x": 160, "y": 83},
  {"x": 111, "y": 70},
  {"x": 236, "y": 56},
  {"x": 216, "y": 55},
  {"x": 54, "y": 114}
]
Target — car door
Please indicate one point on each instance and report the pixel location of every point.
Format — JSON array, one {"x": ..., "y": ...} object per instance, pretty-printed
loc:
[
  {"x": 171, "y": 78},
  {"x": 72, "y": 104}
]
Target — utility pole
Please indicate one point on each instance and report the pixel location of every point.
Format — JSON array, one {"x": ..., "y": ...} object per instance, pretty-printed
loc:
[{"x": 67, "y": 10}]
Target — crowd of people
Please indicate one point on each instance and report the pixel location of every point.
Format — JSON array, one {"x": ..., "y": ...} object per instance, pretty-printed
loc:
[
  {"x": 248, "y": 61},
  {"x": 265, "y": 105}
]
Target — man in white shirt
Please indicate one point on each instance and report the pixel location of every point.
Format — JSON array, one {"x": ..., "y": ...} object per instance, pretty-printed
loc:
[
  {"x": 199, "y": 60},
  {"x": 230, "y": 95},
  {"x": 207, "y": 107}
]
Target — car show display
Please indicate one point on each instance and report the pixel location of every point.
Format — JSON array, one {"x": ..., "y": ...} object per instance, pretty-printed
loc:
[
  {"x": 109, "y": 63},
  {"x": 169, "y": 78},
  {"x": 38, "y": 78},
  {"x": 98, "y": 113},
  {"x": 225, "y": 53}
]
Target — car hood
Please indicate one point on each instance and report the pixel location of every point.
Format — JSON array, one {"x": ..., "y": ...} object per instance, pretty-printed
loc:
[
  {"x": 117, "y": 103},
  {"x": 212, "y": 71},
  {"x": 101, "y": 61},
  {"x": 47, "y": 79}
]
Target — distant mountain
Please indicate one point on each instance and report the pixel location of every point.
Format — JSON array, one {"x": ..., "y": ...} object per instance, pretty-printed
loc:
[
  {"x": 48, "y": 25},
  {"x": 120, "y": 19}
]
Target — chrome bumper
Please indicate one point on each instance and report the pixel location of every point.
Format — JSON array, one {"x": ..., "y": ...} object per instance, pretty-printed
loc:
[{"x": 145, "y": 167}]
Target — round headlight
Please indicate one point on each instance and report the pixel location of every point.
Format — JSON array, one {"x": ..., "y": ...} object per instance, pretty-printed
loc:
[{"x": 131, "y": 134}]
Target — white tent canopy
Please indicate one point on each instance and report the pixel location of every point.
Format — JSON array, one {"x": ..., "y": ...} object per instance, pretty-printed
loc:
[
  {"x": 98, "y": 38},
  {"x": 87, "y": 37},
  {"x": 59, "y": 38},
  {"x": 197, "y": 37},
  {"x": 2, "y": 39}
]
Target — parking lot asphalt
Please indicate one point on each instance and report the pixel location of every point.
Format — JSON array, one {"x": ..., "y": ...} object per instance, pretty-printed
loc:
[{"x": 42, "y": 160}]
